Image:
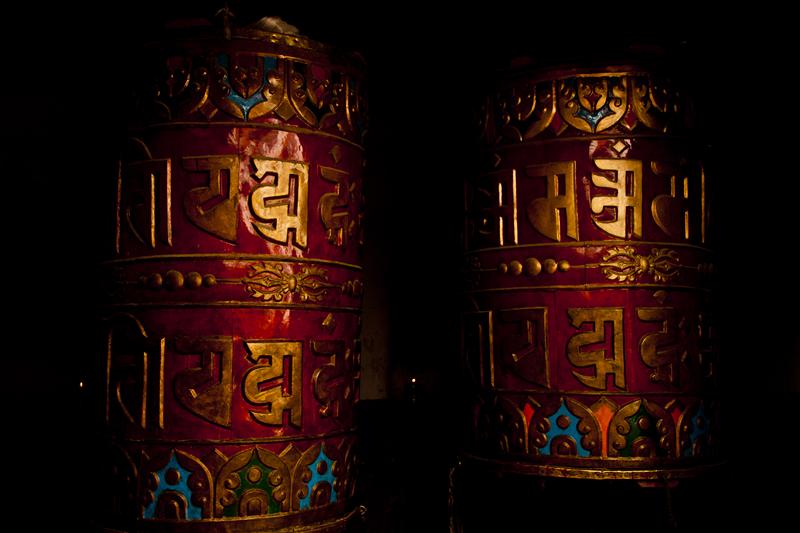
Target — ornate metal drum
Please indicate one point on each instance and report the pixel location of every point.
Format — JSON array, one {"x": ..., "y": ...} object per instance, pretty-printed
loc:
[
  {"x": 589, "y": 335},
  {"x": 231, "y": 339}
]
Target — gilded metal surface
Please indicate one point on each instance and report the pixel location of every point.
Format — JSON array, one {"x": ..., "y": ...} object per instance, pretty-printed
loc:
[
  {"x": 173, "y": 280},
  {"x": 232, "y": 257},
  {"x": 592, "y": 104},
  {"x": 614, "y": 188},
  {"x": 524, "y": 350},
  {"x": 251, "y": 440},
  {"x": 206, "y": 389},
  {"x": 623, "y": 264},
  {"x": 333, "y": 205},
  {"x": 584, "y": 243},
  {"x": 231, "y": 304},
  {"x": 671, "y": 211},
  {"x": 544, "y": 213},
  {"x": 605, "y": 362},
  {"x": 283, "y": 80},
  {"x": 213, "y": 208},
  {"x": 275, "y": 281},
  {"x": 270, "y": 282},
  {"x": 253, "y": 482},
  {"x": 584, "y": 472},
  {"x": 276, "y": 383},
  {"x": 625, "y": 204},
  {"x": 232, "y": 297},
  {"x": 280, "y": 203},
  {"x": 335, "y": 382},
  {"x": 589, "y": 333},
  {"x": 666, "y": 349},
  {"x": 586, "y": 287},
  {"x": 588, "y": 105},
  {"x": 641, "y": 429},
  {"x": 134, "y": 372},
  {"x": 144, "y": 206}
]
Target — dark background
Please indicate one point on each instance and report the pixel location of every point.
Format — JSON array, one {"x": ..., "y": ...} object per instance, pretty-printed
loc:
[{"x": 63, "y": 84}]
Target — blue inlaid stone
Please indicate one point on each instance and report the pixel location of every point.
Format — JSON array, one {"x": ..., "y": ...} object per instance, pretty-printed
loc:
[
  {"x": 246, "y": 104},
  {"x": 571, "y": 431},
  {"x": 594, "y": 118},
  {"x": 698, "y": 430},
  {"x": 317, "y": 478},
  {"x": 180, "y": 486}
]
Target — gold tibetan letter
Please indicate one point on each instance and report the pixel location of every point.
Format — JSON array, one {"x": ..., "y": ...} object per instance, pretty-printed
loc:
[
  {"x": 477, "y": 347},
  {"x": 333, "y": 206},
  {"x": 335, "y": 382},
  {"x": 206, "y": 389},
  {"x": 543, "y": 213},
  {"x": 663, "y": 350},
  {"x": 277, "y": 382},
  {"x": 134, "y": 373},
  {"x": 524, "y": 352},
  {"x": 496, "y": 208},
  {"x": 626, "y": 204},
  {"x": 144, "y": 203},
  {"x": 671, "y": 211},
  {"x": 597, "y": 358},
  {"x": 281, "y": 203},
  {"x": 213, "y": 208}
]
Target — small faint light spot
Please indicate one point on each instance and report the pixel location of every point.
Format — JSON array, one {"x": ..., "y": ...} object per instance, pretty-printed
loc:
[
  {"x": 80, "y": 384},
  {"x": 413, "y": 380}
]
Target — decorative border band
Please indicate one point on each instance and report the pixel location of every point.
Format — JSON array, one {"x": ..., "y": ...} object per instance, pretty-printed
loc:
[{"x": 604, "y": 473}]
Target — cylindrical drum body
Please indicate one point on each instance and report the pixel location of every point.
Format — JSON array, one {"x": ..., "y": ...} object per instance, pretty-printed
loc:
[
  {"x": 589, "y": 333},
  {"x": 231, "y": 333}
]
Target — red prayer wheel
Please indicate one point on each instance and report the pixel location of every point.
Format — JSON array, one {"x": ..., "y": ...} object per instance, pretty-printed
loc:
[
  {"x": 589, "y": 338},
  {"x": 230, "y": 348}
]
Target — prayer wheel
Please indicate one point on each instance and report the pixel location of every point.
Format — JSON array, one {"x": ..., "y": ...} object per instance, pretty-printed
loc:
[
  {"x": 230, "y": 338},
  {"x": 589, "y": 336}
]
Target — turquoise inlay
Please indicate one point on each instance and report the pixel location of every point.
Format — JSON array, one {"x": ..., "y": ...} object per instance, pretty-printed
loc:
[
  {"x": 192, "y": 511},
  {"x": 571, "y": 431},
  {"x": 270, "y": 63},
  {"x": 317, "y": 478},
  {"x": 697, "y": 432},
  {"x": 594, "y": 118},
  {"x": 247, "y": 103}
]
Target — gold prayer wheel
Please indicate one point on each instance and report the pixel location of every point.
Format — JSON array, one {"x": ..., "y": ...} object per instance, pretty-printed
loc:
[
  {"x": 589, "y": 337},
  {"x": 230, "y": 351}
]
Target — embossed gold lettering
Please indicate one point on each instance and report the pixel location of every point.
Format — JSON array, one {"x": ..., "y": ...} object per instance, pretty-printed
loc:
[
  {"x": 214, "y": 208},
  {"x": 664, "y": 350},
  {"x": 206, "y": 389},
  {"x": 544, "y": 213},
  {"x": 333, "y": 206},
  {"x": 671, "y": 211},
  {"x": 477, "y": 339},
  {"x": 626, "y": 205},
  {"x": 144, "y": 203},
  {"x": 498, "y": 220},
  {"x": 706, "y": 351},
  {"x": 524, "y": 349},
  {"x": 134, "y": 372},
  {"x": 280, "y": 204},
  {"x": 598, "y": 359},
  {"x": 703, "y": 206},
  {"x": 276, "y": 382},
  {"x": 334, "y": 383}
]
